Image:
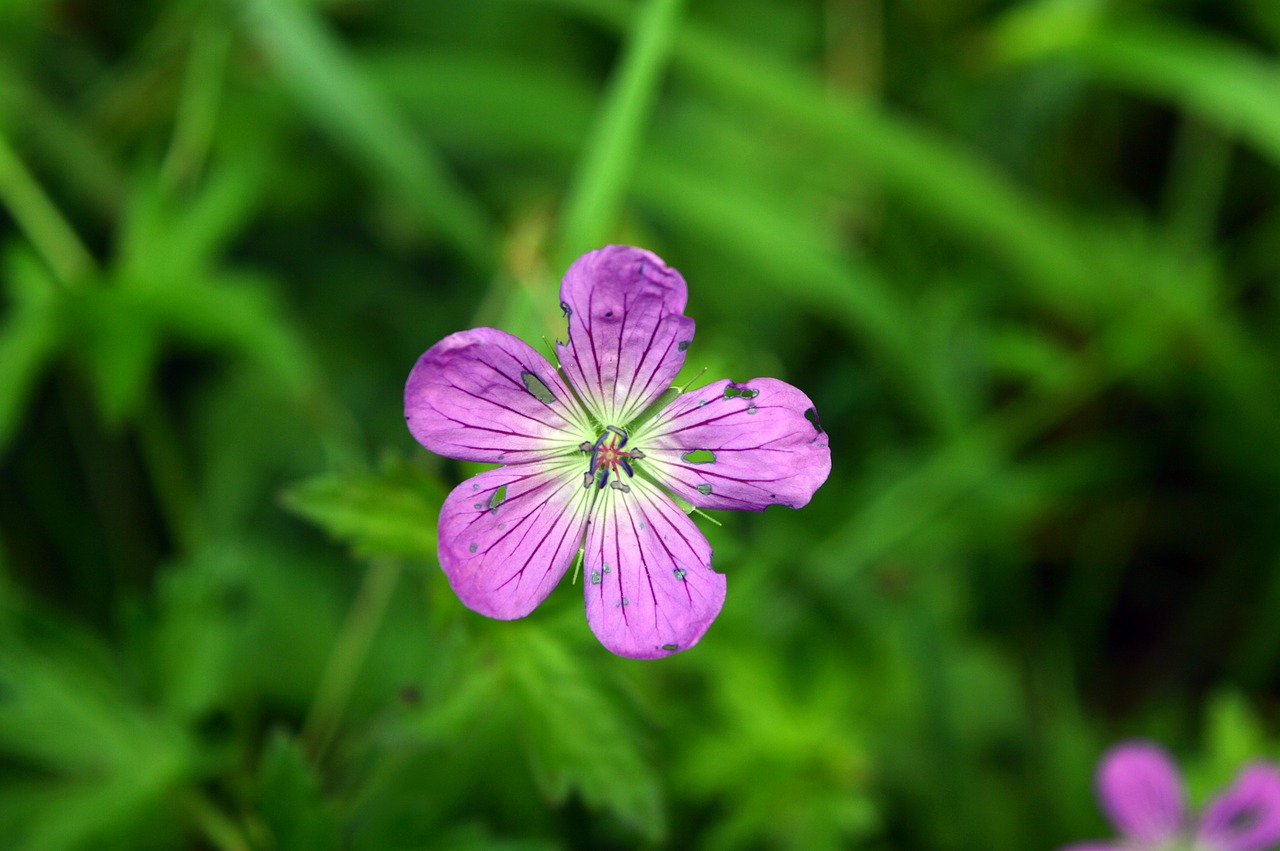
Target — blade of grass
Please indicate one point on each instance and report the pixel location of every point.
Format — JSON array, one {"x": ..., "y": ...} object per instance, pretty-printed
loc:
[
  {"x": 938, "y": 177},
  {"x": 600, "y": 181},
  {"x": 332, "y": 87},
  {"x": 1221, "y": 81},
  {"x": 797, "y": 255},
  {"x": 348, "y": 655},
  {"x": 67, "y": 146},
  {"x": 198, "y": 108},
  {"x": 41, "y": 221}
]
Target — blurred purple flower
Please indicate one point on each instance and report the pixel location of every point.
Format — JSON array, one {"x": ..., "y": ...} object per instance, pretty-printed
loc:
[
  {"x": 1141, "y": 791},
  {"x": 588, "y": 466}
]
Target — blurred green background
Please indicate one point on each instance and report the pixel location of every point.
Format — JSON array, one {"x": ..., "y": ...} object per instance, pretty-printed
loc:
[{"x": 1023, "y": 256}]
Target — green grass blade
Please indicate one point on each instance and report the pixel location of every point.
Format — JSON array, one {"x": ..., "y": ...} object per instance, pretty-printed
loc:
[
  {"x": 604, "y": 172},
  {"x": 331, "y": 86},
  {"x": 41, "y": 220},
  {"x": 936, "y": 176},
  {"x": 1219, "y": 80}
]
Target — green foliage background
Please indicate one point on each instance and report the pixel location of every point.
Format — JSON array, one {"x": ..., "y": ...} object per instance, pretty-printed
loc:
[{"x": 1023, "y": 256}]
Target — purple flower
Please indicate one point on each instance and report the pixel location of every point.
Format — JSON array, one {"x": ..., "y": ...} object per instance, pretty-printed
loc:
[
  {"x": 587, "y": 466},
  {"x": 1141, "y": 792}
]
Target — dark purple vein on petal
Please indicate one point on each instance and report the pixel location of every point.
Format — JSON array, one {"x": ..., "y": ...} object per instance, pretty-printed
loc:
[{"x": 648, "y": 575}]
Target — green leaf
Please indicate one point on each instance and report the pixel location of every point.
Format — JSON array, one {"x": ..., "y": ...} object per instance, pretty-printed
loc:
[
  {"x": 578, "y": 734},
  {"x": 296, "y": 814},
  {"x": 1234, "y": 734},
  {"x": 201, "y": 614},
  {"x": 119, "y": 346},
  {"x": 30, "y": 337},
  {"x": 239, "y": 313},
  {"x": 784, "y": 766},
  {"x": 391, "y": 512},
  {"x": 105, "y": 762}
]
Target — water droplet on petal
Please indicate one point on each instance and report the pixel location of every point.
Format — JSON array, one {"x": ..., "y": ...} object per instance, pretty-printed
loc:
[
  {"x": 679, "y": 573},
  {"x": 474, "y": 547},
  {"x": 671, "y": 648},
  {"x": 704, "y": 489}
]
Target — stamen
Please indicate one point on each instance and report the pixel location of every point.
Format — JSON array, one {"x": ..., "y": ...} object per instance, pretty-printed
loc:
[{"x": 608, "y": 457}]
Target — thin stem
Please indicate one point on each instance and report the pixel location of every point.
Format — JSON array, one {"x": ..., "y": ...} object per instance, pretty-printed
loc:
[
  {"x": 216, "y": 825},
  {"x": 41, "y": 221},
  {"x": 198, "y": 109},
  {"x": 168, "y": 471},
  {"x": 349, "y": 654},
  {"x": 606, "y": 166}
]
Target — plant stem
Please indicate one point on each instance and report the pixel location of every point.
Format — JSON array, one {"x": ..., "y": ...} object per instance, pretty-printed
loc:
[
  {"x": 349, "y": 654},
  {"x": 41, "y": 221},
  {"x": 216, "y": 825}
]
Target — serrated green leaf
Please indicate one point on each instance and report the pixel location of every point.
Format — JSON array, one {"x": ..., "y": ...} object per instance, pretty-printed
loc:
[
  {"x": 201, "y": 612},
  {"x": 391, "y": 512},
  {"x": 578, "y": 734},
  {"x": 296, "y": 813},
  {"x": 105, "y": 761}
]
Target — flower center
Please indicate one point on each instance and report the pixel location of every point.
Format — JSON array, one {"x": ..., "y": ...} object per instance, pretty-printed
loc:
[{"x": 608, "y": 457}]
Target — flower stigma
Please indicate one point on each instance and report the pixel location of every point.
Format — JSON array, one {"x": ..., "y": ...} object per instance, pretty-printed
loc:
[{"x": 608, "y": 456}]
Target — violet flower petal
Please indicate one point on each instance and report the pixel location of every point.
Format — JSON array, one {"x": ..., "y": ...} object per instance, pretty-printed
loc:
[
  {"x": 626, "y": 334},
  {"x": 1246, "y": 817},
  {"x": 508, "y": 535},
  {"x": 739, "y": 446},
  {"x": 1097, "y": 846},
  {"x": 649, "y": 585},
  {"x": 484, "y": 395},
  {"x": 1139, "y": 788}
]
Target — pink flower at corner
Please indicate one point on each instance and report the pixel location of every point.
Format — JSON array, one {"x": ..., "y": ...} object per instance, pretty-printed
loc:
[
  {"x": 587, "y": 466},
  {"x": 1141, "y": 792}
]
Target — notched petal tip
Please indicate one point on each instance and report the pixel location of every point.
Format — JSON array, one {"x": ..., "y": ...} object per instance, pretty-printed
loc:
[
  {"x": 624, "y": 266},
  {"x": 1141, "y": 791},
  {"x": 627, "y": 331}
]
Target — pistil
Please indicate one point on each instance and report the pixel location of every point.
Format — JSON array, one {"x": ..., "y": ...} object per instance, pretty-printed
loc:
[{"x": 608, "y": 455}]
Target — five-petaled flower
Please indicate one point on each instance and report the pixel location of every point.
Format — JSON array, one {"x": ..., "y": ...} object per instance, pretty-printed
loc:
[
  {"x": 589, "y": 466},
  {"x": 1140, "y": 789}
]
